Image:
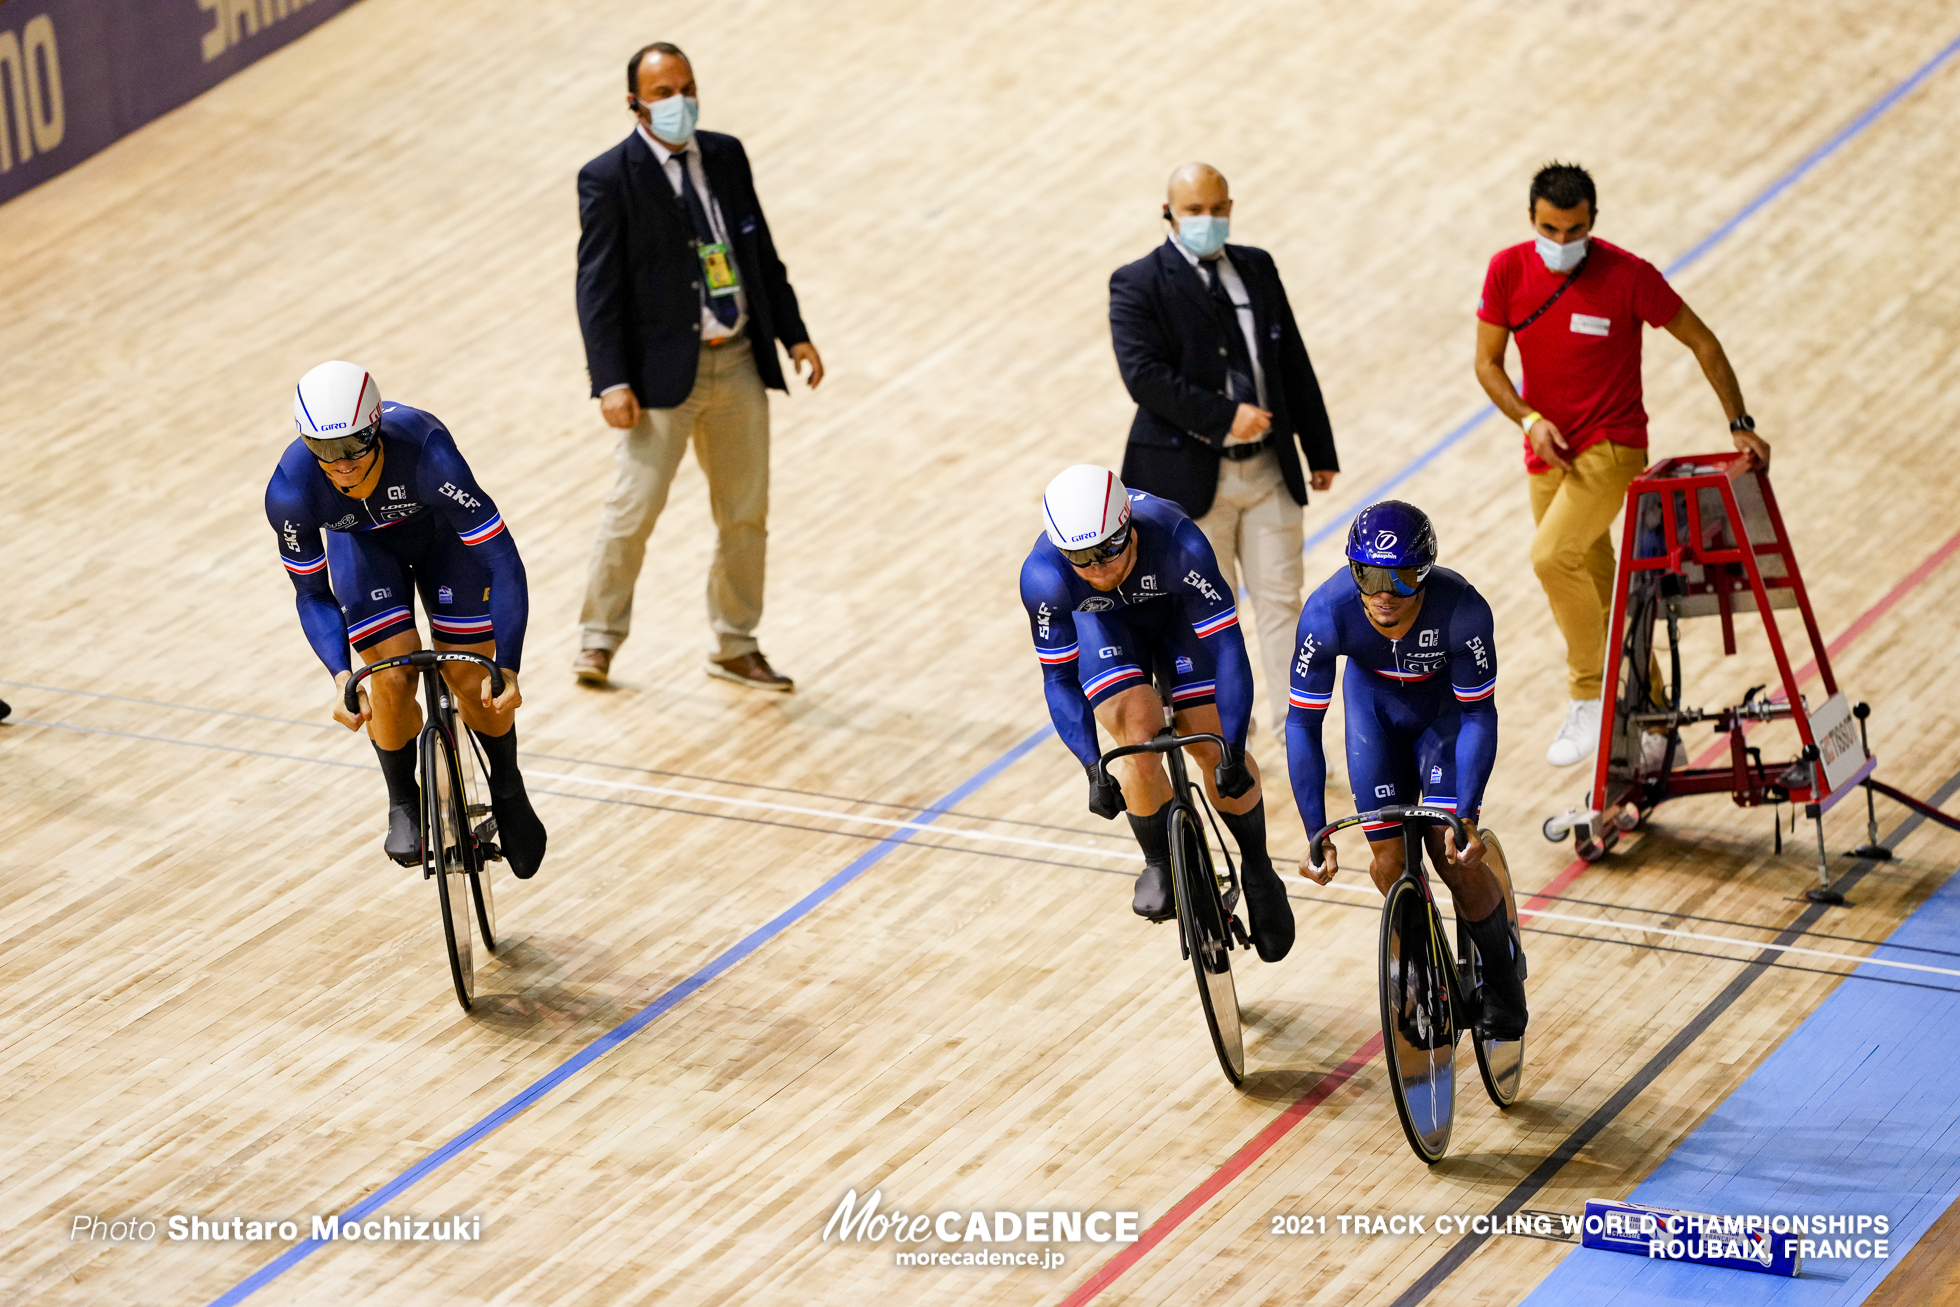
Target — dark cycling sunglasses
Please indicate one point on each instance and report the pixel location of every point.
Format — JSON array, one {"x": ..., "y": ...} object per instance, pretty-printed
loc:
[
  {"x": 1100, "y": 553},
  {"x": 1404, "y": 581},
  {"x": 355, "y": 445}
]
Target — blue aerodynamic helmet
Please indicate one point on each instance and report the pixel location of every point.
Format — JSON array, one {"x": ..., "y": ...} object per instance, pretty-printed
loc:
[{"x": 1391, "y": 546}]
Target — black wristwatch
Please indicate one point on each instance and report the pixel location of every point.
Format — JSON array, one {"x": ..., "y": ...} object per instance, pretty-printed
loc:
[{"x": 1743, "y": 423}]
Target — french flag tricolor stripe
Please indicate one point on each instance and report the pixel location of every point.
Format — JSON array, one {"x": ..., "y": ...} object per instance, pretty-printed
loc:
[
  {"x": 478, "y": 535},
  {"x": 361, "y": 630},
  {"x": 1403, "y": 676},
  {"x": 1111, "y": 677},
  {"x": 1057, "y": 655},
  {"x": 1213, "y": 625},
  {"x": 1312, "y": 701},
  {"x": 307, "y": 568},
  {"x": 1483, "y": 691},
  {"x": 1193, "y": 690},
  {"x": 461, "y": 625}
]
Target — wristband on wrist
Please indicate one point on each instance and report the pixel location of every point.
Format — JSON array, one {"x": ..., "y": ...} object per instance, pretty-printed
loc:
[
  {"x": 1743, "y": 423},
  {"x": 1524, "y": 423}
]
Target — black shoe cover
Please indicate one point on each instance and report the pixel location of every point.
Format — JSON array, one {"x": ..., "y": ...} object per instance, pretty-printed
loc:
[
  {"x": 1152, "y": 901},
  {"x": 519, "y": 832},
  {"x": 1504, "y": 1014},
  {"x": 404, "y": 842},
  {"x": 1272, "y": 915}
]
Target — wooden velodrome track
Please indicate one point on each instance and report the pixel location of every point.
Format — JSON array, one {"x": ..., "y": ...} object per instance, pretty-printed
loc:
[{"x": 221, "y": 1000}]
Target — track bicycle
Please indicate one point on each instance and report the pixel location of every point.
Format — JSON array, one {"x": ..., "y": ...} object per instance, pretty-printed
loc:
[
  {"x": 1428, "y": 998},
  {"x": 458, "y": 829},
  {"x": 1205, "y": 898}
]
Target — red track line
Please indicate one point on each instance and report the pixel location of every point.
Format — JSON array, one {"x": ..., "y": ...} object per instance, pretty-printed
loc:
[
  {"x": 1262, "y": 1142},
  {"x": 1250, "y": 1152}
]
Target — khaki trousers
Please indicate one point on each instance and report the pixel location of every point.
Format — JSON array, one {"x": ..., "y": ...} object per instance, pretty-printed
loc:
[
  {"x": 726, "y": 416},
  {"x": 1255, "y": 529},
  {"x": 1572, "y": 551}
]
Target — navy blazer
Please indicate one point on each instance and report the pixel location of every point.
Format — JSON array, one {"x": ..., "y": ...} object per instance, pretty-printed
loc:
[
  {"x": 639, "y": 307},
  {"x": 1170, "y": 341}
]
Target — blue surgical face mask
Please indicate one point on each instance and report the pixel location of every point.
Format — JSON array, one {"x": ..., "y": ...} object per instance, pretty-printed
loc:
[
  {"x": 673, "y": 118},
  {"x": 1205, "y": 235},
  {"x": 1561, "y": 258}
]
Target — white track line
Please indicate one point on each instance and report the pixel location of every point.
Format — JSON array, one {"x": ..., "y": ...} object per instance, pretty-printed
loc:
[
  {"x": 1739, "y": 943},
  {"x": 887, "y": 822},
  {"x": 1125, "y": 855}
]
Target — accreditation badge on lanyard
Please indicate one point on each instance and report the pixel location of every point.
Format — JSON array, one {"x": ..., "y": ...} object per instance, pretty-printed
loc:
[{"x": 718, "y": 268}]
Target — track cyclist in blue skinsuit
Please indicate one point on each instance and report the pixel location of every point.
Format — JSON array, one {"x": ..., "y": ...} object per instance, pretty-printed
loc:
[
  {"x": 1421, "y": 720},
  {"x": 400, "y": 511},
  {"x": 1121, "y": 582}
]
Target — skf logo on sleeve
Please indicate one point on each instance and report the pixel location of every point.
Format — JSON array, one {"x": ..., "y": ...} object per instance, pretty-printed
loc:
[
  {"x": 1476, "y": 646},
  {"x": 1304, "y": 663},
  {"x": 1197, "y": 582},
  {"x": 467, "y": 501}
]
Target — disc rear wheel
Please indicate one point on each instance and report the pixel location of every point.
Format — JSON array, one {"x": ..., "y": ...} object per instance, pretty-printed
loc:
[
  {"x": 1201, "y": 920},
  {"x": 1499, "y": 1061}
]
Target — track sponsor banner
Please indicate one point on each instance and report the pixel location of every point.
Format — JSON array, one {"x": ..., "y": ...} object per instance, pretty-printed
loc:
[{"x": 78, "y": 75}]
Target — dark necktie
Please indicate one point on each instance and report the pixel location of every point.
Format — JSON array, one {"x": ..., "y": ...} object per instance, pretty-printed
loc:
[
  {"x": 1238, "y": 376},
  {"x": 722, "y": 306}
]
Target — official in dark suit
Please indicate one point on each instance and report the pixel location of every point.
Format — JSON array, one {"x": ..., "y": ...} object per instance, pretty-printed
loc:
[
  {"x": 681, "y": 300},
  {"x": 1227, "y": 404}
]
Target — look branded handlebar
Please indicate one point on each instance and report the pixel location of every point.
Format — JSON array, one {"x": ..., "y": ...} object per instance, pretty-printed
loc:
[
  {"x": 421, "y": 658},
  {"x": 1161, "y": 744},
  {"x": 1400, "y": 815}
]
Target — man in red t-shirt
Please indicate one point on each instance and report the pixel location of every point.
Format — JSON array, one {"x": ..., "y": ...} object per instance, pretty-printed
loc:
[{"x": 1576, "y": 305}]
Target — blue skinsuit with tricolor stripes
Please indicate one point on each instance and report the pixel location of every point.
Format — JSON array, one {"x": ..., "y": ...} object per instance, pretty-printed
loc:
[
  {"x": 1421, "y": 710},
  {"x": 427, "y": 523},
  {"x": 1173, "y": 608}
]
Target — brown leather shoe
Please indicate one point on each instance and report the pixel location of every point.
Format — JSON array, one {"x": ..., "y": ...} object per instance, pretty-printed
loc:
[
  {"x": 593, "y": 666},
  {"x": 752, "y": 670}
]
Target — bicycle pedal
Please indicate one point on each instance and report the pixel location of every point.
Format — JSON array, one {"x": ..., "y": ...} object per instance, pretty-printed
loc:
[
  {"x": 492, "y": 853},
  {"x": 1238, "y": 930}
]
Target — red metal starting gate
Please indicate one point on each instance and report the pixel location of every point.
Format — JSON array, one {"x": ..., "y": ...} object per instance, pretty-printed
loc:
[{"x": 1703, "y": 538}]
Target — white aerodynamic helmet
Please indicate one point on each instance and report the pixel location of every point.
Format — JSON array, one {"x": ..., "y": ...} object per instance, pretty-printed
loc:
[
  {"x": 337, "y": 408},
  {"x": 1087, "y": 514}
]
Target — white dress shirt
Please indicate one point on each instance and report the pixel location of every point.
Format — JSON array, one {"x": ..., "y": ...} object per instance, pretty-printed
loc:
[{"x": 1234, "y": 284}]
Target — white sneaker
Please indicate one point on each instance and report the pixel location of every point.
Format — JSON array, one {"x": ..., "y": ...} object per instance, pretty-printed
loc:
[{"x": 1578, "y": 737}]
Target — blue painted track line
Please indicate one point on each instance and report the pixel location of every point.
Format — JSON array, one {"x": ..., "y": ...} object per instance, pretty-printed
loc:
[
  {"x": 1843, "y": 136},
  {"x": 625, "y": 1030},
  {"x": 272, "y": 1270}
]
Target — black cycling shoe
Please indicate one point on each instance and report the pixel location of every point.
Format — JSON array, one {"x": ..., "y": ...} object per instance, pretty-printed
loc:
[
  {"x": 519, "y": 832},
  {"x": 1500, "y": 1021},
  {"x": 1272, "y": 915},
  {"x": 1152, "y": 901},
  {"x": 404, "y": 842}
]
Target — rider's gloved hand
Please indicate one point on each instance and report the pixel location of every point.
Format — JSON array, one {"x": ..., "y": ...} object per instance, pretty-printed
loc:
[
  {"x": 1105, "y": 795},
  {"x": 1233, "y": 776}
]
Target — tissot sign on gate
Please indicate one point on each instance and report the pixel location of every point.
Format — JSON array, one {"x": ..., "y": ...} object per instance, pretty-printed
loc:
[{"x": 76, "y": 75}]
